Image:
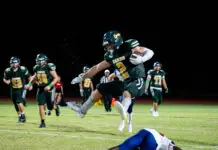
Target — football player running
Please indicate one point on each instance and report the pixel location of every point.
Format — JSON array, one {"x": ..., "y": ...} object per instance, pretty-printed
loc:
[
  {"x": 120, "y": 55},
  {"x": 16, "y": 76},
  {"x": 156, "y": 79},
  {"x": 46, "y": 78}
]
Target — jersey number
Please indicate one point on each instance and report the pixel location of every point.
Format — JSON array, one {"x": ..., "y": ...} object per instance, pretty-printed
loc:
[
  {"x": 17, "y": 83},
  {"x": 87, "y": 83},
  {"x": 122, "y": 70},
  {"x": 42, "y": 78},
  {"x": 157, "y": 80}
]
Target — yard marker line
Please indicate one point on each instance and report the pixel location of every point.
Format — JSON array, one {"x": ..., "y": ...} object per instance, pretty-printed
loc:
[{"x": 63, "y": 135}]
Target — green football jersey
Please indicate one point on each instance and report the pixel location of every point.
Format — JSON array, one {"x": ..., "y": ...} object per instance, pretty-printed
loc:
[
  {"x": 18, "y": 78},
  {"x": 120, "y": 61},
  {"x": 156, "y": 78},
  {"x": 43, "y": 74}
]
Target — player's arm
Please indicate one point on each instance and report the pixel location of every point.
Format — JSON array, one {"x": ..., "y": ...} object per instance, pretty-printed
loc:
[
  {"x": 145, "y": 55},
  {"x": 164, "y": 83},
  {"x": 114, "y": 148},
  {"x": 96, "y": 69},
  {"x": 81, "y": 89},
  {"x": 92, "y": 72},
  {"x": 147, "y": 82},
  {"x": 112, "y": 76},
  {"x": 92, "y": 87},
  {"x": 55, "y": 78},
  {"x": 53, "y": 73},
  {"x": 6, "y": 78}
]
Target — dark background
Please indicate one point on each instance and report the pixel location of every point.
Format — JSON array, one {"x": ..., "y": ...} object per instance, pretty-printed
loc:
[{"x": 68, "y": 45}]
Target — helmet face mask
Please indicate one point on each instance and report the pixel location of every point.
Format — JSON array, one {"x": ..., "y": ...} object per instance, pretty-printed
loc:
[
  {"x": 14, "y": 62},
  {"x": 157, "y": 66},
  {"x": 109, "y": 47},
  {"x": 112, "y": 40},
  {"x": 41, "y": 59}
]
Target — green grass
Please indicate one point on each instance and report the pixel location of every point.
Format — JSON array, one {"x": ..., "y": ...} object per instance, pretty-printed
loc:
[{"x": 190, "y": 126}]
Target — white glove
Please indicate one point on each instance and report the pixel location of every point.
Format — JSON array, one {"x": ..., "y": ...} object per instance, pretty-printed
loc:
[
  {"x": 78, "y": 79},
  {"x": 136, "y": 59}
]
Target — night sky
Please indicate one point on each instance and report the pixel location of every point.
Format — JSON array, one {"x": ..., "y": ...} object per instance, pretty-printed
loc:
[{"x": 67, "y": 44}]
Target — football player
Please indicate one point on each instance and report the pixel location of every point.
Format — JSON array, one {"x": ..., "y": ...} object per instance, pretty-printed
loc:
[
  {"x": 121, "y": 55},
  {"x": 59, "y": 92},
  {"x": 156, "y": 79},
  {"x": 86, "y": 86},
  {"x": 147, "y": 139},
  {"x": 16, "y": 76},
  {"x": 46, "y": 78}
]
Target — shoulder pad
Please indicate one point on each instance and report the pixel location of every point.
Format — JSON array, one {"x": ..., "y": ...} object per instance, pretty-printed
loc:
[
  {"x": 34, "y": 68},
  {"x": 51, "y": 66},
  {"x": 149, "y": 71},
  {"x": 132, "y": 43},
  {"x": 7, "y": 69},
  {"x": 162, "y": 71},
  {"x": 22, "y": 67}
]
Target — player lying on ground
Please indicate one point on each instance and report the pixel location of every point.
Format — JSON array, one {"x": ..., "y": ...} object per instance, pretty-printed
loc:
[
  {"x": 16, "y": 76},
  {"x": 156, "y": 79},
  {"x": 121, "y": 56},
  {"x": 116, "y": 75},
  {"x": 147, "y": 139}
]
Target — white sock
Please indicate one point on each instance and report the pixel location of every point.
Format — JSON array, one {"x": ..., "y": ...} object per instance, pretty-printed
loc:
[
  {"x": 87, "y": 105},
  {"x": 126, "y": 103},
  {"x": 129, "y": 118},
  {"x": 19, "y": 115},
  {"x": 22, "y": 113},
  {"x": 119, "y": 107}
]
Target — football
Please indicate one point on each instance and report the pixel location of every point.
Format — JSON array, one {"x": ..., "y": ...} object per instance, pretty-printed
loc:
[{"x": 136, "y": 53}]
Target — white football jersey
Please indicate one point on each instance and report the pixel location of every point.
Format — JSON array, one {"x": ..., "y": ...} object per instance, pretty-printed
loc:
[{"x": 163, "y": 142}]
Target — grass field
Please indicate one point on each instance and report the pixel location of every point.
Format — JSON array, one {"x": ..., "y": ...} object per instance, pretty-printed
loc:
[{"x": 190, "y": 126}]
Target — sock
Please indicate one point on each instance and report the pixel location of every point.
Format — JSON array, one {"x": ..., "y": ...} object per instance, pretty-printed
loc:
[
  {"x": 22, "y": 113},
  {"x": 126, "y": 103},
  {"x": 19, "y": 115},
  {"x": 87, "y": 105},
  {"x": 119, "y": 107},
  {"x": 42, "y": 121},
  {"x": 130, "y": 118}
]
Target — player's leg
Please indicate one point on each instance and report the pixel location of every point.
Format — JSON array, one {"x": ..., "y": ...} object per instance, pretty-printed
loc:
[
  {"x": 105, "y": 103},
  {"x": 113, "y": 88},
  {"x": 20, "y": 101},
  {"x": 55, "y": 99},
  {"x": 55, "y": 104},
  {"x": 109, "y": 97},
  {"x": 129, "y": 114},
  {"x": 41, "y": 98},
  {"x": 155, "y": 98},
  {"x": 159, "y": 101},
  {"x": 134, "y": 141},
  {"x": 133, "y": 89},
  {"x": 13, "y": 97}
]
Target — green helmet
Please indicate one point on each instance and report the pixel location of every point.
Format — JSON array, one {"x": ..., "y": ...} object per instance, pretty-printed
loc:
[
  {"x": 14, "y": 59},
  {"x": 41, "y": 57},
  {"x": 112, "y": 38}
]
